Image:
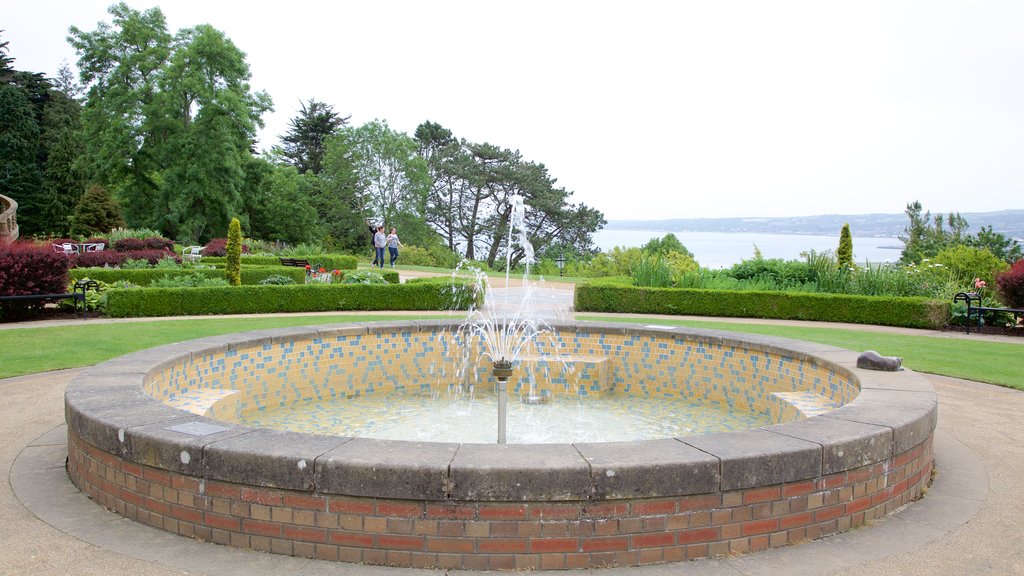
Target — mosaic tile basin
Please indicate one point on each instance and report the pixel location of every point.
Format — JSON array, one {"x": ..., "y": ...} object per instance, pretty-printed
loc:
[{"x": 151, "y": 436}]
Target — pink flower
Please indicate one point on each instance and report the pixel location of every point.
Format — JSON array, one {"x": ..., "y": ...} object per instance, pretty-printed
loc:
[{"x": 979, "y": 284}]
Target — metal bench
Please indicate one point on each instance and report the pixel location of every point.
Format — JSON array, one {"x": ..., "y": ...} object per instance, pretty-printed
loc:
[
  {"x": 978, "y": 310},
  {"x": 299, "y": 262},
  {"x": 84, "y": 286}
]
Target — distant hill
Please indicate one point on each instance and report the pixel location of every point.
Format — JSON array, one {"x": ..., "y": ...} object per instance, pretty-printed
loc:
[{"x": 1007, "y": 222}]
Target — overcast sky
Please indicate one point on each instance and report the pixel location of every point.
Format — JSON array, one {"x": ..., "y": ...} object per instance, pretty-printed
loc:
[{"x": 650, "y": 110}]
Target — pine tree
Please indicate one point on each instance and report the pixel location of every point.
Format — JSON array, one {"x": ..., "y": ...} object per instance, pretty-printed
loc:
[
  {"x": 20, "y": 177},
  {"x": 306, "y": 141}
]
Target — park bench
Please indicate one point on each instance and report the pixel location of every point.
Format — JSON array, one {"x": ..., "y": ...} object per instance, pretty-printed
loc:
[
  {"x": 84, "y": 286},
  {"x": 978, "y": 310},
  {"x": 299, "y": 262}
]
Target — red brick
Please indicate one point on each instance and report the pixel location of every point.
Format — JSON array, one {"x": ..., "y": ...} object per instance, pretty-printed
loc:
[
  {"x": 795, "y": 520},
  {"x": 388, "y": 542},
  {"x": 305, "y": 533},
  {"x": 798, "y": 489},
  {"x": 223, "y": 522},
  {"x": 161, "y": 477},
  {"x": 655, "y": 540},
  {"x": 449, "y": 545},
  {"x": 858, "y": 505},
  {"x": 222, "y": 490},
  {"x": 760, "y": 527},
  {"x": 351, "y": 539},
  {"x": 187, "y": 514},
  {"x": 701, "y": 502},
  {"x": 451, "y": 512},
  {"x": 305, "y": 502},
  {"x": 554, "y": 545},
  {"x": 699, "y": 535},
  {"x": 503, "y": 546},
  {"x": 654, "y": 507},
  {"x": 762, "y": 494},
  {"x": 261, "y": 528},
  {"x": 554, "y": 512},
  {"x": 347, "y": 506},
  {"x": 399, "y": 509},
  {"x": 829, "y": 513},
  {"x": 606, "y": 510},
  {"x": 503, "y": 513},
  {"x": 605, "y": 544},
  {"x": 258, "y": 496}
]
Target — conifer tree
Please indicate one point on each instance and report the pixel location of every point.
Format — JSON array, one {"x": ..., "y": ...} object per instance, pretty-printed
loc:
[
  {"x": 96, "y": 213},
  {"x": 844, "y": 255},
  {"x": 233, "y": 268}
]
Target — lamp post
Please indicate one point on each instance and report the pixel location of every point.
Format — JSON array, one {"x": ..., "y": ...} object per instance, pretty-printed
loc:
[{"x": 560, "y": 262}]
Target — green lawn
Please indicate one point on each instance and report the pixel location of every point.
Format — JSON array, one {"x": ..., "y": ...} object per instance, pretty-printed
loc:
[
  {"x": 983, "y": 361},
  {"x": 30, "y": 350}
]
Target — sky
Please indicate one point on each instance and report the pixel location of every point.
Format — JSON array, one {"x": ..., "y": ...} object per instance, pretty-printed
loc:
[{"x": 647, "y": 109}]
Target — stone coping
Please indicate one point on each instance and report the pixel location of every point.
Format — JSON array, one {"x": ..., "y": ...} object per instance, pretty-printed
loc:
[{"x": 106, "y": 407}]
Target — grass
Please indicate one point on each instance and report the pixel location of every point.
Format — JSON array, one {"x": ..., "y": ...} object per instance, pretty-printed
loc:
[
  {"x": 32, "y": 350},
  {"x": 979, "y": 360}
]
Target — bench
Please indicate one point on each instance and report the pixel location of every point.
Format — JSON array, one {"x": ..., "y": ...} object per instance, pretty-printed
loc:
[
  {"x": 299, "y": 262},
  {"x": 84, "y": 286},
  {"x": 978, "y": 310}
]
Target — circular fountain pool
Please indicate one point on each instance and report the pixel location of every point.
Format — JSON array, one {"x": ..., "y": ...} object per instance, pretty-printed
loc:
[{"x": 156, "y": 437}]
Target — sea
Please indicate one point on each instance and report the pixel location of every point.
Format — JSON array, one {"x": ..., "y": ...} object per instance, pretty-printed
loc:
[{"x": 723, "y": 249}]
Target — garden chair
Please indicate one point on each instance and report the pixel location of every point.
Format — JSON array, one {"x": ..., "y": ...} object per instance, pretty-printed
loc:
[{"x": 192, "y": 253}]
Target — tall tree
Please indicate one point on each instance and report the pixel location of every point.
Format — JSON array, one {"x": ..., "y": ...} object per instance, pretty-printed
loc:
[
  {"x": 169, "y": 121},
  {"x": 20, "y": 177},
  {"x": 306, "y": 141},
  {"x": 63, "y": 184}
]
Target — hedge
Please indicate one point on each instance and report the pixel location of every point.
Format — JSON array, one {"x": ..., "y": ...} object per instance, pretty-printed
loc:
[
  {"x": 328, "y": 261},
  {"x": 128, "y": 303},
  {"x": 145, "y": 276},
  {"x": 597, "y": 296}
]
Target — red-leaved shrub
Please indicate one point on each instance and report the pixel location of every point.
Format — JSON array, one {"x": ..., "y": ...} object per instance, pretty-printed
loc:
[
  {"x": 98, "y": 240},
  {"x": 218, "y": 247},
  {"x": 1010, "y": 285},
  {"x": 27, "y": 268},
  {"x": 152, "y": 256},
  {"x": 129, "y": 244},
  {"x": 158, "y": 243},
  {"x": 97, "y": 259}
]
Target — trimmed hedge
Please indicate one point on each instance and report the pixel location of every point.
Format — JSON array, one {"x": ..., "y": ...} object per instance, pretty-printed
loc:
[
  {"x": 328, "y": 261},
  {"x": 597, "y": 296},
  {"x": 122, "y": 303},
  {"x": 144, "y": 276}
]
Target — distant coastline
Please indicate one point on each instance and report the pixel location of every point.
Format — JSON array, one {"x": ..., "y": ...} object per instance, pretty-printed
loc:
[{"x": 1007, "y": 222}]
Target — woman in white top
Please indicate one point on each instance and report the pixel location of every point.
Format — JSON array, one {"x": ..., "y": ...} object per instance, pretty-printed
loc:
[{"x": 393, "y": 244}]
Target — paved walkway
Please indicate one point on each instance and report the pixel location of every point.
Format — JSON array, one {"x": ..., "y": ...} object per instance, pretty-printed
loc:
[{"x": 968, "y": 523}]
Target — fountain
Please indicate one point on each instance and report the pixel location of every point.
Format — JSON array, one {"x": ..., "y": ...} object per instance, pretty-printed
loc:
[{"x": 158, "y": 437}]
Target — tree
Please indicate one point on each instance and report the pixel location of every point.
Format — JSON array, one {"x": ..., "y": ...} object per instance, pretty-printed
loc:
[
  {"x": 169, "y": 121},
  {"x": 1006, "y": 249},
  {"x": 283, "y": 208},
  {"x": 844, "y": 254},
  {"x": 925, "y": 236},
  {"x": 306, "y": 141},
  {"x": 233, "y": 265},
  {"x": 20, "y": 177},
  {"x": 63, "y": 184},
  {"x": 96, "y": 213},
  {"x": 667, "y": 243}
]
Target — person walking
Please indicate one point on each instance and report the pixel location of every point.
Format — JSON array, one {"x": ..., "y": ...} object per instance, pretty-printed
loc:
[
  {"x": 373, "y": 232},
  {"x": 379, "y": 242},
  {"x": 393, "y": 243}
]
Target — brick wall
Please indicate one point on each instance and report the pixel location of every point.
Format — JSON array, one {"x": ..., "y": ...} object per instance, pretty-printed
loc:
[{"x": 499, "y": 536}]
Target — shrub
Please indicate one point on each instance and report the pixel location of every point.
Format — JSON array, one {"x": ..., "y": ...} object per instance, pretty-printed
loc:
[
  {"x": 30, "y": 269},
  {"x": 167, "y": 263},
  {"x": 146, "y": 276},
  {"x": 140, "y": 233},
  {"x": 151, "y": 256},
  {"x": 194, "y": 280},
  {"x": 1010, "y": 285},
  {"x": 603, "y": 296},
  {"x": 97, "y": 259},
  {"x": 364, "y": 277},
  {"x": 964, "y": 263},
  {"x": 97, "y": 212},
  {"x": 130, "y": 245},
  {"x": 276, "y": 280},
  {"x": 218, "y": 247},
  {"x": 651, "y": 270},
  {"x": 134, "y": 263},
  {"x": 233, "y": 253},
  {"x": 158, "y": 243}
]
